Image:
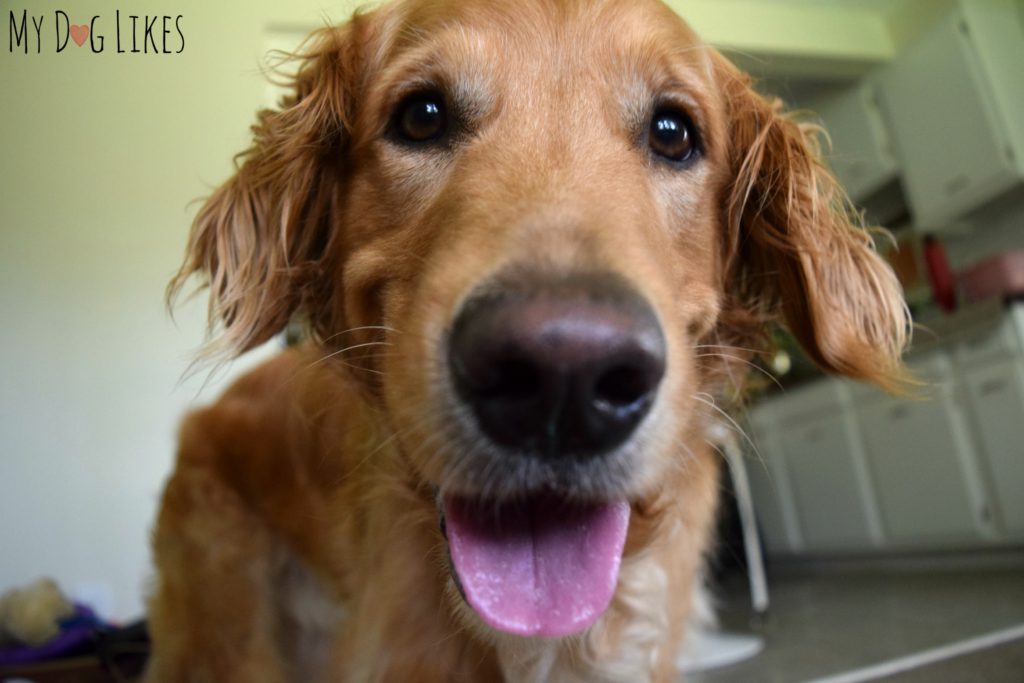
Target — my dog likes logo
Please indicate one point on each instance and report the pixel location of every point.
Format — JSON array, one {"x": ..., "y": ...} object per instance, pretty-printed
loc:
[{"x": 132, "y": 33}]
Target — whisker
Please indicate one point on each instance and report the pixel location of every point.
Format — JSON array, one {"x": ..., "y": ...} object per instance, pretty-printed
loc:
[
  {"x": 757, "y": 352},
  {"x": 709, "y": 401},
  {"x": 755, "y": 366},
  {"x": 383, "y": 328},
  {"x": 347, "y": 349}
]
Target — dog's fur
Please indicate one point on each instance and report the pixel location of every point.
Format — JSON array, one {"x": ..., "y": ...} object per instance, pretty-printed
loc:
[{"x": 298, "y": 538}]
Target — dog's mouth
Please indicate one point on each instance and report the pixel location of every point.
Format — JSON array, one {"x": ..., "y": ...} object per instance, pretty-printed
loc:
[{"x": 536, "y": 567}]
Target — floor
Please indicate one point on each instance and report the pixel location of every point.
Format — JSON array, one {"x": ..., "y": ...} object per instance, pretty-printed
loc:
[{"x": 825, "y": 624}]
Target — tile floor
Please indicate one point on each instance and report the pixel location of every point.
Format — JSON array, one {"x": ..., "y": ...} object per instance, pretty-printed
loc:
[{"x": 826, "y": 623}]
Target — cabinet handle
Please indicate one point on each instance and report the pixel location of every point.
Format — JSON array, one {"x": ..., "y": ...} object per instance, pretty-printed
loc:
[
  {"x": 899, "y": 412},
  {"x": 992, "y": 386}
]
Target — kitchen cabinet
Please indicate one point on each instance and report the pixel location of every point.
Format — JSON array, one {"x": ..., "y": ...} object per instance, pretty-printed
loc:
[
  {"x": 771, "y": 488},
  {"x": 847, "y": 469},
  {"x": 921, "y": 464},
  {"x": 821, "y": 468},
  {"x": 990, "y": 377},
  {"x": 811, "y": 478},
  {"x": 996, "y": 400},
  {"x": 953, "y": 100},
  {"x": 860, "y": 154}
]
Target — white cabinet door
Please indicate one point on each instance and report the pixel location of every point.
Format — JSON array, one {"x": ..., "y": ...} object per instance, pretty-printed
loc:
[
  {"x": 825, "y": 484},
  {"x": 996, "y": 397},
  {"x": 915, "y": 451},
  {"x": 770, "y": 486},
  {"x": 764, "y": 489},
  {"x": 861, "y": 155},
  {"x": 950, "y": 135}
]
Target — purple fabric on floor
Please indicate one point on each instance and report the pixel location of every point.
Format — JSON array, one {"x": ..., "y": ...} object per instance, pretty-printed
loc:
[{"x": 75, "y": 637}]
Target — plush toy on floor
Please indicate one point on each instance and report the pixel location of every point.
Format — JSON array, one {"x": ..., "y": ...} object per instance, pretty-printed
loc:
[{"x": 32, "y": 615}]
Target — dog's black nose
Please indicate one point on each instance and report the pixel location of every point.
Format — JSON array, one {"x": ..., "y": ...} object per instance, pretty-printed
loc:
[{"x": 560, "y": 369}]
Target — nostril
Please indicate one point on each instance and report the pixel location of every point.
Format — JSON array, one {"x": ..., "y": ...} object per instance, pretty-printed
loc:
[
  {"x": 512, "y": 379},
  {"x": 622, "y": 386}
]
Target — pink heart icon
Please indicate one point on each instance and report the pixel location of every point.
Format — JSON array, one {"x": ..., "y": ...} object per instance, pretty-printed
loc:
[{"x": 79, "y": 33}]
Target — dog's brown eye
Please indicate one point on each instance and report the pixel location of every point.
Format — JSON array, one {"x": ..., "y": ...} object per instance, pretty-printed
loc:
[
  {"x": 672, "y": 135},
  {"x": 422, "y": 118}
]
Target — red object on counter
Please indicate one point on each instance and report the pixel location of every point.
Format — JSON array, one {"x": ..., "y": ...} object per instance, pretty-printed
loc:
[
  {"x": 999, "y": 276},
  {"x": 940, "y": 275}
]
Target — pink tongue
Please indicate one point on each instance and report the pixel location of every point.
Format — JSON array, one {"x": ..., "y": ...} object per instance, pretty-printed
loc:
[{"x": 538, "y": 568}]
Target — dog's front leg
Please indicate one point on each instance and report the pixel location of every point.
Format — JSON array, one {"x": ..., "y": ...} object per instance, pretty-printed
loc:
[{"x": 211, "y": 617}]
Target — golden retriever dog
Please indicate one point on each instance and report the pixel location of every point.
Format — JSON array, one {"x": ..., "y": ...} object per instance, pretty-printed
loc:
[{"x": 534, "y": 243}]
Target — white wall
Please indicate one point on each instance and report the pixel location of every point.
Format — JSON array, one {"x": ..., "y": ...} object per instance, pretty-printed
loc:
[{"x": 100, "y": 157}]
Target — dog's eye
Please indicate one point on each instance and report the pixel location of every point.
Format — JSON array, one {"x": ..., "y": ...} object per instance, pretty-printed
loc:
[
  {"x": 673, "y": 135},
  {"x": 421, "y": 117}
]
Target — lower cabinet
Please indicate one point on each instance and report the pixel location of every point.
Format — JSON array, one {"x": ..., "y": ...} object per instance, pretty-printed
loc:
[
  {"x": 996, "y": 400},
  {"x": 921, "y": 467},
  {"x": 822, "y": 470},
  {"x": 810, "y": 483},
  {"x": 846, "y": 469}
]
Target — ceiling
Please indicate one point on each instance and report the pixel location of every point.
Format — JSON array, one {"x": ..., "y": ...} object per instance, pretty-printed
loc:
[
  {"x": 883, "y": 7},
  {"x": 823, "y": 40}
]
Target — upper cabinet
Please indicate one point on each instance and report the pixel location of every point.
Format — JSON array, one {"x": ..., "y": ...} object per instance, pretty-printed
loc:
[
  {"x": 861, "y": 153},
  {"x": 954, "y": 103}
]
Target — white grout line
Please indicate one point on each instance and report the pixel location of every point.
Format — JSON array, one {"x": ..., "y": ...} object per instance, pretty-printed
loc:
[{"x": 926, "y": 657}]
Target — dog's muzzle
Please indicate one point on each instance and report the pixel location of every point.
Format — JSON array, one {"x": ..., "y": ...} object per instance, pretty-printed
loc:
[{"x": 556, "y": 377}]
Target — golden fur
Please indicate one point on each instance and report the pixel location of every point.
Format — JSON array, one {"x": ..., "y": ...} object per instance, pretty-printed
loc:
[{"x": 298, "y": 537}]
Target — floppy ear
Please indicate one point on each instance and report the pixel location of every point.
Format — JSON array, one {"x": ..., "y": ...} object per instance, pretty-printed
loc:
[
  {"x": 795, "y": 248},
  {"x": 260, "y": 241}
]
